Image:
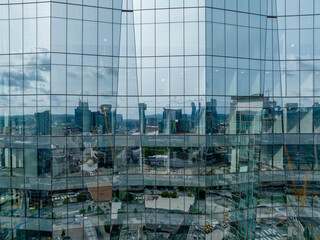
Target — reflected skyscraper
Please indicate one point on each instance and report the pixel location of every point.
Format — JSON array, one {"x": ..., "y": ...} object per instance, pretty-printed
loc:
[
  {"x": 142, "y": 117},
  {"x": 43, "y": 122},
  {"x": 83, "y": 117}
]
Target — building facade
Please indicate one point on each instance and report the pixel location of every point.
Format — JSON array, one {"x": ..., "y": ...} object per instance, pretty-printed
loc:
[{"x": 158, "y": 119}]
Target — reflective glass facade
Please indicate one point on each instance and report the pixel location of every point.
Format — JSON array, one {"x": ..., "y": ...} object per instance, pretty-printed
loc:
[{"x": 159, "y": 119}]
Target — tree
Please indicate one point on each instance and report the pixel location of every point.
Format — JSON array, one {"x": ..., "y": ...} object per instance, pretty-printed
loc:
[
  {"x": 82, "y": 211},
  {"x": 201, "y": 194},
  {"x": 165, "y": 194},
  {"x": 82, "y": 198},
  {"x": 174, "y": 194},
  {"x": 117, "y": 192},
  {"x": 126, "y": 197},
  {"x": 63, "y": 233},
  {"x": 135, "y": 210},
  {"x": 130, "y": 197},
  {"x": 99, "y": 210},
  {"x": 107, "y": 228},
  {"x": 66, "y": 200},
  {"x": 89, "y": 208}
]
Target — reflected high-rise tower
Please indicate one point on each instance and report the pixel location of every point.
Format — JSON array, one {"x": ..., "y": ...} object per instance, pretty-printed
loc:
[{"x": 83, "y": 117}]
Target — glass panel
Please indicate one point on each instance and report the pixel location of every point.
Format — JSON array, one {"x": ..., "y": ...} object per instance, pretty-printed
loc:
[
  {"x": 148, "y": 40},
  {"x": 231, "y": 44},
  {"x": 58, "y": 79},
  {"x": 74, "y": 42},
  {"x": 176, "y": 86},
  {"x": 4, "y": 37},
  {"x": 16, "y": 80},
  {"x": 191, "y": 81},
  {"x": 162, "y": 39},
  {"x": 105, "y": 39},
  {"x": 176, "y": 39},
  {"x": 74, "y": 80},
  {"x": 148, "y": 82},
  {"x": 31, "y": 166},
  {"x": 59, "y": 35},
  {"x": 43, "y": 39},
  {"x": 191, "y": 38},
  {"x": 90, "y": 80},
  {"x": 89, "y": 37},
  {"x": 218, "y": 39},
  {"x": 4, "y": 81},
  {"x": 15, "y": 36},
  {"x": 43, "y": 79},
  {"x": 30, "y": 33}
]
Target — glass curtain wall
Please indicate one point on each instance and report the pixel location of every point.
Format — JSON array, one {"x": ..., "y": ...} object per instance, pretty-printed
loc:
[{"x": 158, "y": 119}]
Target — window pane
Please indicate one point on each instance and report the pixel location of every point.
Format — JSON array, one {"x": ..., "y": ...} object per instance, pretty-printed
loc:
[
  {"x": 4, "y": 37},
  {"x": 58, "y": 79},
  {"x": 74, "y": 39}
]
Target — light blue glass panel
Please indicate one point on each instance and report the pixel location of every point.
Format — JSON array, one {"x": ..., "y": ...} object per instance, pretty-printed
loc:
[
  {"x": 176, "y": 81},
  {"x": 74, "y": 41},
  {"x": 16, "y": 36},
  {"x": 292, "y": 44},
  {"x": 4, "y": 37},
  {"x": 292, "y": 80},
  {"x": 4, "y": 81},
  {"x": 255, "y": 43},
  {"x": 30, "y": 33},
  {"x": 59, "y": 35},
  {"x": 43, "y": 34},
  {"x": 218, "y": 81},
  {"x": 243, "y": 82},
  {"x": 176, "y": 39},
  {"x": 191, "y": 38},
  {"x": 74, "y": 80},
  {"x": 292, "y": 7},
  {"x": 30, "y": 79},
  {"x": 43, "y": 79},
  {"x": 58, "y": 10},
  {"x": 231, "y": 82},
  {"x": 306, "y": 43},
  {"x": 306, "y": 6},
  {"x": 105, "y": 39},
  {"x": 89, "y": 37},
  {"x": 16, "y": 80},
  {"x": 148, "y": 82},
  {"x": 243, "y": 42},
  {"x": 4, "y": 11},
  {"x": 43, "y": 10},
  {"x": 148, "y": 40},
  {"x": 90, "y": 80},
  {"x": 306, "y": 83},
  {"x": 58, "y": 79},
  {"x": 191, "y": 81},
  {"x": 162, "y": 39},
  {"x": 231, "y": 40},
  {"x": 162, "y": 81}
]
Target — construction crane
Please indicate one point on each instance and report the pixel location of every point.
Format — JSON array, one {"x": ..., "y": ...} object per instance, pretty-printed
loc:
[
  {"x": 107, "y": 127},
  {"x": 302, "y": 195}
]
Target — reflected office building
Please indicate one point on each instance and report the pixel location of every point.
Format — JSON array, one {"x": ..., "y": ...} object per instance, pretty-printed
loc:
[{"x": 158, "y": 119}]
